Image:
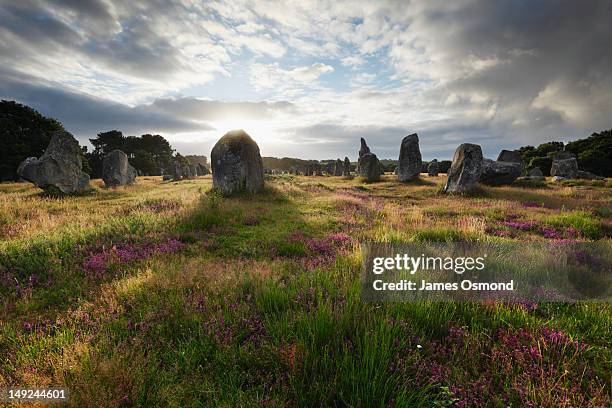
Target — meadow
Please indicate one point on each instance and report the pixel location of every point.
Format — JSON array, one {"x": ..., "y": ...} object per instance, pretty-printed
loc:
[{"x": 168, "y": 294}]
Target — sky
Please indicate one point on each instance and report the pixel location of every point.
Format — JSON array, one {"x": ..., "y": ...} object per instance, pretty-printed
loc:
[{"x": 308, "y": 78}]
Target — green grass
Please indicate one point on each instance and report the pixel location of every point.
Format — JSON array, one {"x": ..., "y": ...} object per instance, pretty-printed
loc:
[{"x": 248, "y": 313}]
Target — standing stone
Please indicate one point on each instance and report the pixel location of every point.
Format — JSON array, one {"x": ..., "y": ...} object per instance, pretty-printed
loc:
[
  {"x": 59, "y": 169},
  {"x": 187, "y": 171},
  {"x": 237, "y": 164},
  {"x": 535, "y": 174},
  {"x": 117, "y": 170},
  {"x": 203, "y": 170},
  {"x": 465, "y": 169},
  {"x": 346, "y": 168},
  {"x": 497, "y": 173},
  {"x": 512, "y": 156},
  {"x": 364, "y": 149},
  {"x": 194, "y": 170},
  {"x": 564, "y": 165},
  {"x": 433, "y": 168},
  {"x": 338, "y": 168},
  {"x": 177, "y": 174},
  {"x": 369, "y": 167},
  {"x": 410, "y": 162}
]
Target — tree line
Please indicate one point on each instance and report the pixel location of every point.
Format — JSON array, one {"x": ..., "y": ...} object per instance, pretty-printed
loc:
[{"x": 25, "y": 133}]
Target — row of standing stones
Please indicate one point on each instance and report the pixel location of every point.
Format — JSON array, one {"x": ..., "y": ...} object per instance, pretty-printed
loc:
[{"x": 237, "y": 166}]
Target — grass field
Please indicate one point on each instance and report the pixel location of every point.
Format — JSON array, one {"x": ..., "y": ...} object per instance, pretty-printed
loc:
[{"x": 167, "y": 294}]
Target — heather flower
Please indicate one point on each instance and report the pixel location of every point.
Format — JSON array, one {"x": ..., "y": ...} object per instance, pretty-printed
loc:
[
  {"x": 551, "y": 233},
  {"x": 520, "y": 225},
  {"x": 125, "y": 253}
]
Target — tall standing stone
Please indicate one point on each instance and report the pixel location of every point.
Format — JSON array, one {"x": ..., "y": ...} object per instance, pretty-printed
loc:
[
  {"x": 346, "y": 168},
  {"x": 338, "y": 168},
  {"x": 60, "y": 169},
  {"x": 364, "y": 149},
  {"x": 194, "y": 170},
  {"x": 237, "y": 164},
  {"x": 433, "y": 168},
  {"x": 117, "y": 170},
  {"x": 465, "y": 169},
  {"x": 177, "y": 171},
  {"x": 410, "y": 162},
  {"x": 187, "y": 171},
  {"x": 369, "y": 167}
]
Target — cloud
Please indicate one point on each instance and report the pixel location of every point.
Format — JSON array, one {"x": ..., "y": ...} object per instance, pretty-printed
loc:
[
  {"x": 503, "y": 73},
  {"x": 211, "y": 110},
  {"x": 265, "y": 76}
]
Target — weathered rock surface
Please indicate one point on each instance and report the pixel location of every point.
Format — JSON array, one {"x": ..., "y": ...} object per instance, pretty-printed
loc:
[
  {"x": 187, "y": 171},
  {"x": 117, "y": 170},
  {"x": 237, "y": 164},
  {"x": 564, "y": 165},
  {"x": 510, "y": 156},
  {"x": 203, "y": 170},
  {"x": 535, "y": 174},
  {"x": 410, "y": 162},
  {"x": 346, "y": 167},
  {"x": 497, "y": 173},
  {"x": 364, "y": 149},
  {"x": 465, "y": 169},
  {"x": 194, "y": 170},
  {"x": 369, "y": 167},
  {"x": 177, "y": 174},
  {"x": 433, "y": 168},
  {"x": 338, "y": 167},
  {"x": 60, "y": 169}
]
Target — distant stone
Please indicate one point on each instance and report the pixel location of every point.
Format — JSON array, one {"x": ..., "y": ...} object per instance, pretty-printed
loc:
[
  {"x": 177, "y": 174},
  {"x": 203, "y": 170},
  {"x": 338, "y": 167},
  {"x": 433, "y": 168},
  {"x": 497, "y": 173},
  {"x": 117, "y": 170},
  {"x": 60, "y": 169},
  {"x": 187, "y": 171},
  {"x": 465, "y": 169},
  {"x": 564, "y": 164},
  {"x": 194, "y": 170},
  {"x": 587, "y": 175},
  {"x": 167, "y": 177},
  {"x": 558, "y": 178},
  {"x": 237, "y": 164},
  {"x": 535, "y": 174},
  {"x": 409, "y": 166},
  {"x": 512, "y": 156},
  {"x": 364, "y": 149},
  {"x": 346, "y": 167},
  {"x": 369, "y": 167}
]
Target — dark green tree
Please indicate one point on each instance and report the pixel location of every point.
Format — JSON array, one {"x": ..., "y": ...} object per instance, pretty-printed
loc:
[{"x": 23, "y": 133}]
